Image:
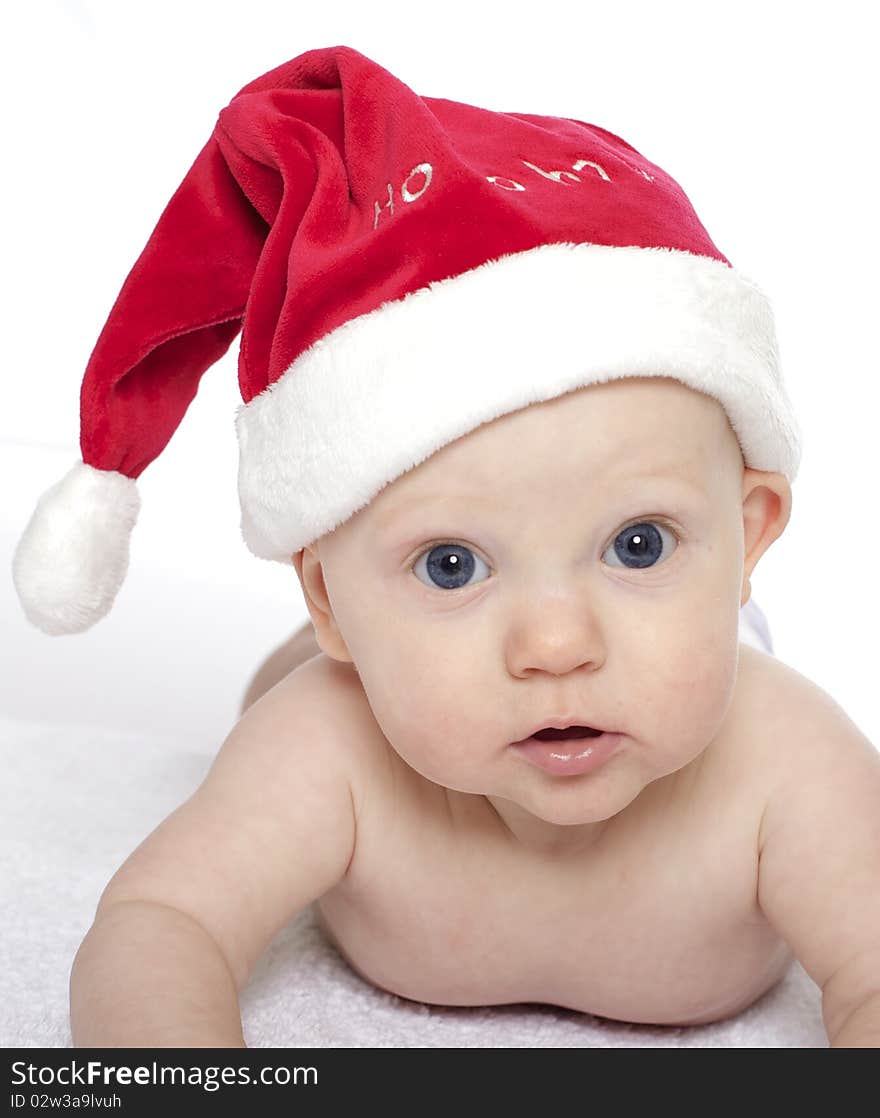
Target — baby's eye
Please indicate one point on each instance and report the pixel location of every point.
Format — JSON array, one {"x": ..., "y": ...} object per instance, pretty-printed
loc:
[
  {"x": 448, "y": 565},
  {"x": 641, "y": 545}
]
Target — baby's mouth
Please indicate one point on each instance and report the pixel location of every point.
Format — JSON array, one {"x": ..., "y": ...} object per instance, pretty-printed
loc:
[
  {"x": 570, "y": 750},
  {"x": 552, "y": 734}
]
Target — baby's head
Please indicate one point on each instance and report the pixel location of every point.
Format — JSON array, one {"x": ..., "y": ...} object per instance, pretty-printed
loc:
[
  {"x": 583, "y": 559},
  {"x": 465, "y": 315}
]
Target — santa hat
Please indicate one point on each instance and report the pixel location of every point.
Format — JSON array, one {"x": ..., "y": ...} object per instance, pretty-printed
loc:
[{"x": 403, "y": 270}]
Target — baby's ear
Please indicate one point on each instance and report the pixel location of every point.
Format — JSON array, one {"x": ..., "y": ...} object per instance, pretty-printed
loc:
[
  {"x": 311, "y": 579},
  {"x": 766, "y": 506}
]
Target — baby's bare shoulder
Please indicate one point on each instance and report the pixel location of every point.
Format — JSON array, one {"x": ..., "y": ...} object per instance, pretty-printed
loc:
[
  {"x": 329, "y": 696},
  {"x": 767, "y": 684},
  {"x": 752, "y": 745},
  {"x": 792, "y": 720},
  {"x": 333, "y": 693},
  {"x": 779, "y": 732}
]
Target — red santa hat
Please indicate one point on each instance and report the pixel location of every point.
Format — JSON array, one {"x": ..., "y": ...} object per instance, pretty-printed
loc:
[{"x": 403, "y": 270}]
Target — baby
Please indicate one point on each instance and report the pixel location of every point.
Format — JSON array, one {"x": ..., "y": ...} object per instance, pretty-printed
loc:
[{"x": 528, "y": 758}]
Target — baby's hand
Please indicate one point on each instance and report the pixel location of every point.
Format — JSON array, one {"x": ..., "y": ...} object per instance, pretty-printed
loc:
[
  {"x": 819, "y": 869},
  {"x": 182, "y": 922}
]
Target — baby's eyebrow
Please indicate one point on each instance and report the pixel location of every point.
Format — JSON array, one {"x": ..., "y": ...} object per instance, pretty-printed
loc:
[
  {"x": 423, "y": 501},
  {"x": 668, "y": 478},
  {"x": 429, "y": 501}
]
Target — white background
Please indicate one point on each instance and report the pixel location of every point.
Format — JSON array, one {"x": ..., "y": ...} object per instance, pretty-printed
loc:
[{"x": 765, "y": 113}]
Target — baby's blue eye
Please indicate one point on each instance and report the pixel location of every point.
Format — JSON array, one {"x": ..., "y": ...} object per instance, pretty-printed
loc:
[
  {"x": 448, "y": 565},
  {"x": 640, "y": 545}
]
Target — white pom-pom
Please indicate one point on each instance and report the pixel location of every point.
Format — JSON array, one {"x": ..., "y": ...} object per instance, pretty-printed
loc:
[{"x": 73, "y": 556}]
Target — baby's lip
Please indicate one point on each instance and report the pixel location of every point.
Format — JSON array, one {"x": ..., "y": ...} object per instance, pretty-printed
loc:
[{"x": 579, "y": 729}]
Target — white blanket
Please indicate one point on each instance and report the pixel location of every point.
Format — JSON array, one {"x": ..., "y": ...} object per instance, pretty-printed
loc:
[{"x": 77, "y": 800}]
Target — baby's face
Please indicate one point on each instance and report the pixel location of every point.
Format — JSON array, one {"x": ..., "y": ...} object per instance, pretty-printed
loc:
[{"x": 501, "y": 584}]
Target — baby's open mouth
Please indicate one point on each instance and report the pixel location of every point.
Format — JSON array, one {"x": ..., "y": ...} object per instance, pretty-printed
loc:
[
  {"x": 552, "y": 734},
  {"x": 569, "y": 750}
]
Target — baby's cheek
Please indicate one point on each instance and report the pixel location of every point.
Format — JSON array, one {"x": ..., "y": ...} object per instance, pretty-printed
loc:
[
  {"x": 699, "y": 690},
  {"x": 427, "y": 721},
  {"x": 400, "y": 699}
]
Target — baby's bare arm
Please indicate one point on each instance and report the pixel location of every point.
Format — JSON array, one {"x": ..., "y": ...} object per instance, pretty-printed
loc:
[
  {"x": 149, "y": 976},
  {"x": 182, "y": 922},
  {"x": 819, "y": 864}
]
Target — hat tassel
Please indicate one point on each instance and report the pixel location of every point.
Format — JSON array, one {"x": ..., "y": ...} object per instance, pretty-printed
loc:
[{"x": 73, "y": 556}]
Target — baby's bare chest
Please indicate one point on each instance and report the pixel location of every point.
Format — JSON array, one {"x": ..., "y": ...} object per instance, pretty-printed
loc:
[{"x": 660, "y": 925}]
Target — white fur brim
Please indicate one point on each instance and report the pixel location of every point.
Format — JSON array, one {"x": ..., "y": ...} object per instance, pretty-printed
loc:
[
  {"x": 73, "y": 555},
  {"x": 382, "y": 392}
]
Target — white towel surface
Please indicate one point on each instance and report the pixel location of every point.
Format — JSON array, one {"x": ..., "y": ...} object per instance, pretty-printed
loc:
[{"x": 78, "y": 799}]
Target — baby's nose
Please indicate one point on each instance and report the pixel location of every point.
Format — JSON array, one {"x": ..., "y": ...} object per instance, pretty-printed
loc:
[{"x": 555, "y": 644}]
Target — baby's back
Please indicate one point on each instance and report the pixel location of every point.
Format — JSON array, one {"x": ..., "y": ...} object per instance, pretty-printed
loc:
[{"x": 657, "y": 922}]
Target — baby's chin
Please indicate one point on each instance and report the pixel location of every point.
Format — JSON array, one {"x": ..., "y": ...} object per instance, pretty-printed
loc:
[
  {"x": 559, "y": 801},
  {"x": 571, "y": 806},
  {"x": 618, "y": 787}
]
